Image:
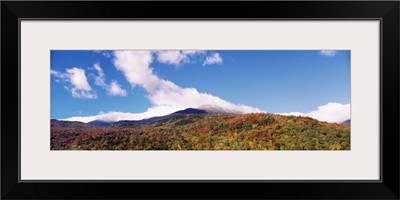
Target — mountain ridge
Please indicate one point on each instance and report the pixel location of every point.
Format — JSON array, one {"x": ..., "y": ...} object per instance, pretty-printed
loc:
[
  {"x": 218, "y": 110},
  {"x": 205, "y": 109},
  {"x": 127, "y": 123},
  {"x": 253, "y": 131}
]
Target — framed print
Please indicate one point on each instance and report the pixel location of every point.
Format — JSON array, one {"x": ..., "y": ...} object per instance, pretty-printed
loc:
[{"x": 263, "y": 96}]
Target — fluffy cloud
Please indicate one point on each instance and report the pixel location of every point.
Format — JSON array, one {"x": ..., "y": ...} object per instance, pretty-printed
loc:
[
  {"x": 328, "y": 53},
  {"x": 117, "y": 116},
  {"x": 213, "y": 59},
  {"x": 176, "y": 57},
  {"x": 135, "y": 65},
  {"x": 114, "y": 89},
  {"x": 80, "y": 87},
  {"x": 165, "y": 96},
  {"x": 169, "y": 94},
  {"x": 171, "y": 57},
  {"x": 331, "y": 112}
]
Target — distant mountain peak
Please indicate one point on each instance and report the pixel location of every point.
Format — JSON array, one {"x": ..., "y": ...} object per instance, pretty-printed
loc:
[
  {"x": 207, "y": 106},
  {"x": 146, "y": 121},
  {"x": 100, "y": 123},
  {"x": 201, "y": 110},
  {"x": 190, "y": 111},
  {"x": 66, "y": 124},
  {"x": 218, "y": 110}
]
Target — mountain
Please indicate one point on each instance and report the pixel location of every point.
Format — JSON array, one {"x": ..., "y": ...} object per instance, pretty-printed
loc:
[
  {"x": 68, "y": 124},
  {"x": 128, "y": 123},
  {"x": 346, "y": 122},
  {"x": 190, "y": 111},
  {"x": 255, "y": 131},
  {"x": 218, "y": 110},
  {"x": 99, "y": 123}
]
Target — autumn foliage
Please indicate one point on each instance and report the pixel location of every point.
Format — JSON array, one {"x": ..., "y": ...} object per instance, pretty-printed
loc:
[{"x": 257, "y": 131}]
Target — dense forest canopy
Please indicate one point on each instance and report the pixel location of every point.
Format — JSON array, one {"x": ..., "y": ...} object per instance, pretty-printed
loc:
[{"x": 258, "y": 131}]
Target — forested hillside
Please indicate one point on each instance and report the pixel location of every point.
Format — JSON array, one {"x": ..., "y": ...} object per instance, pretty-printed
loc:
[{"x": 206, "y": 132}]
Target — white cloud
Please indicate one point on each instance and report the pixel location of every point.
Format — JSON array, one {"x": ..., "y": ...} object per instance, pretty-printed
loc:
[
  {"x": 78, "y": 79},
  {"x": 168, "y": 93},
  {"x": 176, "y": 57},
  {"x": 331, "y": 112},
  {"x": 117, "y": 116},
  {"x": 80, "y": 87},
  {"x": 171, "y": 57},
  {"x": 106, "y": 54},
  {"x": 328, "y": 53},
  {"x": 166, "y": 96},
  {"x": 135, "y": 67},
  {"x": 59, "y": 76},
  {"x": 100, "y": 78},
  {"x": 213, "y": 59},
  {"x": 114, "y": 89}
]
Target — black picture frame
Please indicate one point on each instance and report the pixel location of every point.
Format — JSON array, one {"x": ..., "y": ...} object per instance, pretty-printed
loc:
[{"x": 386, "y": 11}]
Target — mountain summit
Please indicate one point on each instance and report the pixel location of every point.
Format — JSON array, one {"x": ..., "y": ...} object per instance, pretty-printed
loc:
[
  {"x": 218, "y": 110},
  {"x": 128, "y": 123},
  {"x": 201, "y": 110},
  {"x": 190, "y": 111}
]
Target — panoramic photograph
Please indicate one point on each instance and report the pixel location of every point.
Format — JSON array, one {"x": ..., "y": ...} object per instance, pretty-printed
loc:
[{"x": 200, "y": 100}]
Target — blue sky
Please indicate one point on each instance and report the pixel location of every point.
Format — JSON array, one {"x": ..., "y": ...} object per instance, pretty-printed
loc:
[{"x": 114, "y": 85}]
